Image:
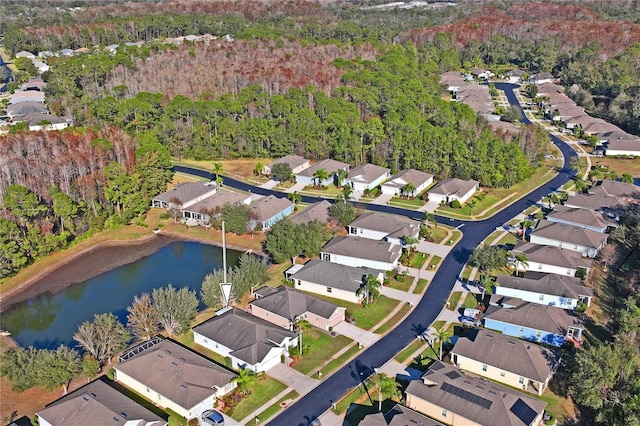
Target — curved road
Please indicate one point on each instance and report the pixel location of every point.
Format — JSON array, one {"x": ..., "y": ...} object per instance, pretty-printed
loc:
[{"x": 309, "y": 408}]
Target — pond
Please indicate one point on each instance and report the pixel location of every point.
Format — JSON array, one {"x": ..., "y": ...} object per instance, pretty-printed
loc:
[{"x": 48, "y": 320}]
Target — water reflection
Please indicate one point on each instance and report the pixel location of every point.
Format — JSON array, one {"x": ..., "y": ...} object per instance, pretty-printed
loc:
[{"x": 48, "y": 320}]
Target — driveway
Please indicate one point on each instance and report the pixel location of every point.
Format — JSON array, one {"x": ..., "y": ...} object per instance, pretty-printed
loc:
[
  {"x": 382, "y": 199},
  {"x": 297, "y": 187},
  {"x": 270, "y": 184},
  {"x": 292, "y": 378},
  {"x": 364, "y": 337}
]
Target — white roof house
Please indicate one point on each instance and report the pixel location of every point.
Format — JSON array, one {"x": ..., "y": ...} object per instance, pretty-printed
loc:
[
  {"x": 367, "y": 177},
  {"x": 453, "y": 189},
  {"x": 395, "y": 184}
]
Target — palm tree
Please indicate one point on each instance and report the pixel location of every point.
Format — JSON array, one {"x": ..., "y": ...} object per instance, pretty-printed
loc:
[
  {"x": 295, "y": 197},
  {"x": 408, "y": 189},
  {"x": 581, "y": 185},
  {"x": 387, "y": 388},
  {"x": 346, "y": 193},
  {"x": 370, "y": 289},
  {"x": 217, "y": 170},
  {"x": 321, "y": 175},
  {"x": 444, "y": 336},
  {"x": 341, "y": 175},
  {"x": 302, "y": 326},
  {"x": 244, "y": 379},
  {"x": 430, "y": 217},
  {"x": 257, "y": 169},
  {"x": 525, "y": 224},
  {"x": 521, "y": 259}
]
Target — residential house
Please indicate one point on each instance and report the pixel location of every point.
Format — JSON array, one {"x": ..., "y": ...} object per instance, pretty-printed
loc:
[
  {"x": 26, "y": 96},
  {"x": 453, "y": 189},
  {"x": 480, "y": 74},
  {"x": 397, "y": 183},
  {"x": 599, "y": 126},
  {"x": 316, "y": 211},
  {"x": 332, "y": 279},
  {"x": 515, "y": 75},
  {"x": 514, "y": 362},
  {"x": 204, "y": 210},
  {"x": 357, "y": 251},
  {"x": 36, "y": 83},
  {"x": 542, "y": 77},
  {"x": 570, "y": 237},
  {"x": 624, "y": 191},
  {"x": 172, "y": 376},
  {"x": 249, "y": 341},
  {"x": 457, "y": 398},
  {"x": 548, "y": 88},
  {"x": 452, "y": 81},
  {"x": 25, "y": 54},
  {"x": 184, "y": 195},
  {"x": 623, "y": 147},
  {"x": 332, "y": 167},
  {"x": 367, "y": 177},
  {"x": 296, "y": 163},
  {"x": 97, "y": 404},
  {"x": 609, "y": 205},
  {"x": 38, "y": 121},
  {"x": 552, "y": 260},
  {"x": 545, "y": 289},
  {"x": 588, "y": 219},
  {"x": 271, "y": 209},
  {"x": 503, "y": 127},
  {"x": 285, "y": 306},
  {"x": 399, "y": 415},
  {"x": 531, "y": 321},
  {"x": 21, "y": 109},
  {"x": 384, "y": 226}
]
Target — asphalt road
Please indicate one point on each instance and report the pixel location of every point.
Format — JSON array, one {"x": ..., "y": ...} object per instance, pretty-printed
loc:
[{"x": 308, "y": 409}]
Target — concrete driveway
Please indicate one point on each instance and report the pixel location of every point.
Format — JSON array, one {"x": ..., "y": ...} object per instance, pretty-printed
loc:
[
  {"x": 382, "y": 199},
  {"x": 297, "y": 187},
  {"x": 292, "y": 378},
  {"x": 356, "y": 334}
]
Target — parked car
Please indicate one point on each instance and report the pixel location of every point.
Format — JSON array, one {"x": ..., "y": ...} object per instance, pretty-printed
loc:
[
  {"x": 467, "y": 321},
  {"x": 213, "y": 418}
]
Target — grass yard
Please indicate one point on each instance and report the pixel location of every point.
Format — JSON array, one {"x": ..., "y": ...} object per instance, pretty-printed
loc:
[
  {"x": 439, "y": 233},
  {"x": 187, "y": 340},
  {"x": 455, "y": 237},
  {"x": 239, "y": 169},
  {"x": 399, "y": 282},
  {"x": 409, "y": 350},
  {"x": 276, "y": 273},
  {"x": 261, "y": 392},
  {"x": 430, "y": 353},
  {"x": 357, "y": 395},
  {"x": 492, "y": 237},
  {"x": 404, "y": 310},
  {"x": 420, "y": 286},
  {"x": 366, "y": 317},
  {"x": 329, "y": 191},
  {"x": 508, "y": 240},
  {"x": 275, "y": 407},
  {"x": 470, "y": 301},
  {"x": 466, "y": 272},
  {"x": 418, "y": 260},
  {"x": 620, "y": 165},
  {"x": 409, "y": 203},
  {"x": 338, "y": 362},
  {"x": 434, "y": 262},
  {"x": 321, "y": 347},
  {"x": 452, "y": 305}
]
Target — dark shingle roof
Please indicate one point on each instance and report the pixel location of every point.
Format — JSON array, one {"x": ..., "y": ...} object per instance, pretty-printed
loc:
[
  {"x": 97, "y": 404},
  {"x": 532, "y": 315},
  {"x": 399, "y": 415},
  {"x": 415, "y": 177},
  {"x": 289, "y": 303},
  {"x": 267, "y": 207},
  {"x": 616, "y": 189},
  {"x": 250, "y": 338},
  {"x": 595, "y": 202},
  {"x": 472, "y": 397},
  {"x": 215, "y": 202},
  {"x": 316, "y": 211},
  {"x": 578, "y": 216},
  {"x": 363, "y": 248},
  {"x": 516, "y": 356},
  {"x": 569, "y": 234},
  {"x": 550, "y": 255},
  {"x": 552, "y": 284},
  {"x": 334, "y": 275},
  {"x": 453, "y": 186}
]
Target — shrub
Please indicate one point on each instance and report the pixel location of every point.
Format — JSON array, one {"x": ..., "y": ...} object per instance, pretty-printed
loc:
[
  {"x": 227, "y": 361},
  {"x": 164, "y": 216},
  {"x": 455, "y": 204},
  {"x": 581, "y": 273},
  {"x": 111, "y": 374}
]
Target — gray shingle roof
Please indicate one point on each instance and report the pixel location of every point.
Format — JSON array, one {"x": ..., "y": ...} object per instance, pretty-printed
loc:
[
  {"x": 616, "y": 189},
  {"x": 186, "y": 192},
  {"x": 290, "y": 303},
  {"x": 215, "y": 202},
  {"x": 552, "y": 284},
  {"x": 550, "y": 255},
  {"x": 316, "y": 211},
  {"x": 399, "y": 415},
  {"x": 535, "y": 316},
  {"x": 24, "y": 108},
  {"x": 292, "y": 160},
  {"x": 331, "y": 166},
  {"x": 624, "y": 145},
  {"x": 176, "y": 373},
  {"x": 97, "y": 404},
  {"x": 394, "y": 225},
  {"x": 579, "y": 216},
  {"x": 596, "y": 202},
  {"x": 413, "y": 176},
  {"x": 367, "y": 173},
  {"x": 472, "y": 397},
  {"x": 267, "y": 207},
  {"x": 363, "y": 248},
  {"x": 453, "y": 186},
  {"x": 334, "y": 275},
  {"x": 507, "y": 353},
  {"x": 569, "y": 233},
  {"x": 250, "y": 338},
  {"x": 35, "y": 118}
]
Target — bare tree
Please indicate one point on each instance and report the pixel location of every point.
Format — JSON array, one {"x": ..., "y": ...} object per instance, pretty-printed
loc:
[
  {"x": 142, "y": 319},
  {"x": 102, "y": 338}
]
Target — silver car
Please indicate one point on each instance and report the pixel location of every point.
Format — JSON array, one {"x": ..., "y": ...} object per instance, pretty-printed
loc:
[{"x": 213, "y": 417}]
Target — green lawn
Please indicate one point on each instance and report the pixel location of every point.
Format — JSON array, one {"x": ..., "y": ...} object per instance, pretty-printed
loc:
[
  {"x": 357, "y": 394},
  {"x": 492, "y": 237},
  {"x": 420, "y": 286},
  {"x": 470, "y": 301},
  {"x": 418, "y": 260},
  {"x": 508, "y": 240},
  {"x": 261, "y": 392},
  {"x": 394, "y": 319},
  {"x": 187, "y": 340},
  {"x": 434, "y": 262},
  {"x": 412, "y": 202},
  {"x": 430, "y": 353},
  {"x": 329, "y": 191},
  {"x": 453, "y": 300},
  {"x": 341, "y": 360},
  {"x": 400, "y": 282},
  {"x": 321, "y": 347},
  {"x": 273, "y": 409},
  {"x": 438, "y": 234},
  {"x": 456, "y": 236},
  {"x": 466, "y": 272},
  {"x": 439, "y": 324},
  {"x": 409, "y": 350}
]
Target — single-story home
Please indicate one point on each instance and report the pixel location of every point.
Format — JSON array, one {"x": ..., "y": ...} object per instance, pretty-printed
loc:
[
  {"x": 367, "y": 177},
  {"x": 453, "y": 189},
  {"x": 296, "y": 163},
  {"x": 356, "y": 251},
  {"x": 625, "y": 191},
  {"x": 384, "y": 226},
  {"x": 38, "y": 121},
  {"x": 399, "y": 415},
  {"x": 514, "y": 362},
  {"x": 531, "y": 321},
  {"x": 458, "y": 398},
  {"x": 397, "y": 183},
  {"x": 284, "y": 306},
  {"x": 549, "y": 259},
  {"x": 624, "y": 147},
  {"x": 585, "y": 218},
  {"x": 184, "y": 195},
  {"x": 331, "y": 279},
  {"x": 26, "y": 96},
  {"x": 316, "y": 211},
  {"x": 36, "y": 83},
  {"x": 172, "y": 376},
  {"x": 575, "y": 238},
  {"x": 21, "y": 109},
  {"x": 204, "y": 210},
  {"x": 515, "y": 75},
  {"x": 249, "y": 341},
  {"x": 548, "y": 88},
  {"x": 97, "y": 404},
  {"x": 599, "y": 126},
  {"x": 271, "y": 209},
  {"x": 610, "y": 205},
  {"x": 545, "y": 289},
  {"x": 25, "y": 54},
  {"x": 307, "y": 176},
  {"x": 542, "y": 77}
]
